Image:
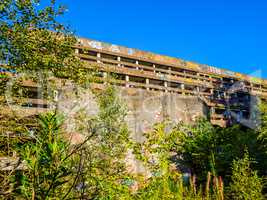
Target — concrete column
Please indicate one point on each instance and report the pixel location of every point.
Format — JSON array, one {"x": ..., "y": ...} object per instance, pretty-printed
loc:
[
  {"x": 98, "y": 55},
  {"x": 127, "y": 80},
  {"x": 147, "y": 83},
  {"x": 154, "y": 66},
  {"x": 76, "y": 51},
  {"x": 212, "y": 110},
  {"x": 119, "y": 59},
  {"x": 166, "y": 85},
  {"x": 211, "y": 91},
  {"x": 105, "y": 75},
  {"x": 136, "y": 62},
  {"x": 182, "y": 87}
]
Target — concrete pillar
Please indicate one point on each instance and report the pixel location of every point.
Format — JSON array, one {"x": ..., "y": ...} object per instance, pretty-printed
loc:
[
  {"x": 154, "y": 66},
  {"x": 198, "y": 76},
  {"x": 212, "y": 110},
  {"x": 119, "y": 59},
  {"x": 147, "y": 83},
  {"x": 136, "y": 62},
  {"x": 98, "y": 55},
  {"x": 76, "y": 51},
  {"x": 182, "y": 87},
  {"x": 105, "y": 75},
  {"x": 166, "y": 85},
  {"x": 127, "y": 80},
  {"x": 212, "y": 91}
]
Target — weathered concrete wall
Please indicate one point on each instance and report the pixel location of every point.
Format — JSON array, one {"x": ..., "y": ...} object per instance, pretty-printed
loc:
[
  {"x": 149, "y": 107},
  {"x": 145, "y": 108}
]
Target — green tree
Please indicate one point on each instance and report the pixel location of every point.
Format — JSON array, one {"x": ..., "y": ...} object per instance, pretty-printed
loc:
[
  {"x": 166, "y": 181},
  {"x": 32, "y": 39},
  {"x": 196, "y": 146},
  {"x": 245, "y": 183},
  {"x": 51, "y": 164},
  {"x": 104, "y": 173},
  {"x": 204, "y": 148}
]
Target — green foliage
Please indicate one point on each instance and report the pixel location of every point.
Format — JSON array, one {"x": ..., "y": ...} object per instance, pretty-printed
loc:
[
  {"x": 33, "y": 41},
  {"x": 197, "y": 144},
  {"x": 104, "y": 172},
  {"x": 245, "y": 183},
  {"x": 263, "y": 127},
  {"x": 49, "y": 162},
  {"x": 205, "y": 148},
  {"x": 166, "y": 182}
]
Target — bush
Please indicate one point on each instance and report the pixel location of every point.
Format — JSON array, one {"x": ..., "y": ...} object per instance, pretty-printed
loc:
[{"x": 246, "y": 184}]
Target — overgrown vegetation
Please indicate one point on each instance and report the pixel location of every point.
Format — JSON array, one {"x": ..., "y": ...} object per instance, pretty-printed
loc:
[{"x": 197, "y": 161}]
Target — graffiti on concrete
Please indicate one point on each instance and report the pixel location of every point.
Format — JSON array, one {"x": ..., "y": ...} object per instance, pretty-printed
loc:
[
  {"x": 114, "y": 48},
  {"x": 164, "y": 59},
  {"x": 95, "y": 44}
]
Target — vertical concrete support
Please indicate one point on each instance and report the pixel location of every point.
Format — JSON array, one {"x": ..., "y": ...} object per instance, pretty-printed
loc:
[
  {"x": 127, "y": 80},
  {"x": 119, "y": 60},
  {"x": 76, "y": 51},
  {"x": 137, "y": 63},
  {"x": 166, "y": 86},
  {"x": 154, "y": 66},
  {"x": 98, "y": 55},
  {"x": 212, "y": 91},
  {"x": 198, "y": 90},
  {"x": 212, "y": 111},
  {"x": 105, "y": 75},
  {"x": 147, "y": 83},
  {"x": 182, "y": 87}
]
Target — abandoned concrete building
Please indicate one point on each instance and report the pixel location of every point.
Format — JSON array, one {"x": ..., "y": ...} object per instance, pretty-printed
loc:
[
  {"x": 228, "y": 97},
  {"x": 157, "y": 87}
]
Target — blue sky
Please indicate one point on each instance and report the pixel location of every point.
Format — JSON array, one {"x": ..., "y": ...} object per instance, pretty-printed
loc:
[{"x": 231, "y": 34}]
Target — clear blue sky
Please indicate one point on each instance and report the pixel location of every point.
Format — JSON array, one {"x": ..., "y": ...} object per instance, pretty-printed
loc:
[{"x": 230, "y": 34}]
